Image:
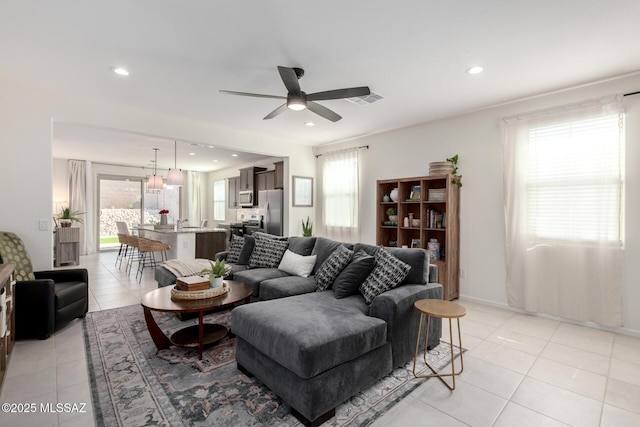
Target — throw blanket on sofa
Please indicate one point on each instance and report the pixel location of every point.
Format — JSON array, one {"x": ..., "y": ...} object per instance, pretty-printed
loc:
[{"x": 186, "y": 267}]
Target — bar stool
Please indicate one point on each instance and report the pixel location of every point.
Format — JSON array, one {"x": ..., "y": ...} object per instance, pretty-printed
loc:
[
  {"x": 123, "y": 231},
  {"x": 147, "y": 249},
  {"x": 122, "y": 252},
  {"x": 134, "y": 253},
  {"x": 444, "y": 310}
]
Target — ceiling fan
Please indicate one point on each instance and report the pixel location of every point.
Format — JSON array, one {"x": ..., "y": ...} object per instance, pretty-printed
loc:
[{"x": 298, "y": 100}]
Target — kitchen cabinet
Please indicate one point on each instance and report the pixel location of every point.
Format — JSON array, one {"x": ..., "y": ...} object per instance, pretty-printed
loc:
[
  {"x": 248, "y": 178},
  {"x": 265, "y": 180},
  {"x": 278, "y": 175}
]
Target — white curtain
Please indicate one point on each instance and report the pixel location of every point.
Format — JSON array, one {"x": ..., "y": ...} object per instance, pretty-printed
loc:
[
  {"x": 339, "y": 189},
  {"x": 563, "y": 183},
  {"x": 192, "y": 205},
  {"x": 81, "y": 200}
]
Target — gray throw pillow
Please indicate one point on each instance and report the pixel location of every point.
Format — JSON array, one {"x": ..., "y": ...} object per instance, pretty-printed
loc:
[
  {"x": 387, "y": 274},
  {"x": 350, "y": 279},
  {"x": 331, "y": 267},
  {"x": 234, "y": 249},
  {"x": 247, "y": 250},
  {"x": 267, "y": 252}
]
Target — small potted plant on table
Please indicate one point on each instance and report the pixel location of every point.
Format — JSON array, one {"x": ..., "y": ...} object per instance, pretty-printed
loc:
[{"x": 216, "y": 273}]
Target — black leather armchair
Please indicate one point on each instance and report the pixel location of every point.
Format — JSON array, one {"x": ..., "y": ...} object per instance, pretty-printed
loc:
[
  {"x": 51, "y": 301},
  {"x": 45, "y": 300}
]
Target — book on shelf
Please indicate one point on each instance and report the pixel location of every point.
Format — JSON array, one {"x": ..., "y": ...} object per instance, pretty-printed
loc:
[
  {"x": 435, "y": 218},
  {"x": 390, "y": 223}
]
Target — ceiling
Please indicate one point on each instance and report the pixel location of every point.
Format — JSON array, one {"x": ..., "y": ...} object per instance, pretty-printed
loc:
[{"x": 413, "y": 53}]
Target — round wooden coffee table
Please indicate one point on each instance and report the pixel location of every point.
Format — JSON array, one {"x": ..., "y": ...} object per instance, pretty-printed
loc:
[
  {"x": 196, "y": 335},
  {"x": 444, "y": 310}
]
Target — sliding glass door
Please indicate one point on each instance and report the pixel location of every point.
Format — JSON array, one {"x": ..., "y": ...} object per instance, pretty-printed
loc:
[{"x": 122, "y": 198}]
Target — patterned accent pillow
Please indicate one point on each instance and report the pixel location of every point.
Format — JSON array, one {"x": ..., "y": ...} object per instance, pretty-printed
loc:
[
  {"x": 234, "y": 249},
  {"x": 267, "y": 252},
  {"x": 332, "y": 267},
  {"x": 387, "y": 274},
  {"x": 12, "y": 250}
]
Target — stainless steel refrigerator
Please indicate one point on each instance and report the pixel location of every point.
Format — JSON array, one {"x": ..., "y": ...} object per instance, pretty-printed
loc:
[{"x": 270, "y": 205}]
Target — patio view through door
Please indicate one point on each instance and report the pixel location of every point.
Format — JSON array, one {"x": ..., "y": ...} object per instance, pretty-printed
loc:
[{"x": 123, "y": 198}]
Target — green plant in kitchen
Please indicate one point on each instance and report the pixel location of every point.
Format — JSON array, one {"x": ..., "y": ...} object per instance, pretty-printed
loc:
[
  {"x": 218, "y": 269},
  {"x": 307, "y": 228},
  {"x": 457, "y": 179},
  {"x": 67, "y": 216}
]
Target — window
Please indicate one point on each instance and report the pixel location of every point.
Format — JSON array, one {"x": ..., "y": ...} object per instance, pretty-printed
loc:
[
  {"x": 563, "y": 187},
  {"x": 219, "y": 200},
  {"x": 573, "y": 179},
  {"x": 340, "y": 195}
]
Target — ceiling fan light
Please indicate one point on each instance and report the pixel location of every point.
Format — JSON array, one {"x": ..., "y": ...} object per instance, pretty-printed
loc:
[
  {"x": 296, "y": 105},
  {"x": 175, "y": 177},
  {"x": 296, "y": 102}
]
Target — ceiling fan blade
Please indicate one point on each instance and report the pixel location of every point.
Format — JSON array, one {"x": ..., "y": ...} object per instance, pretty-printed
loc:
[
  {"x": 351, "y": 92},
  {"x": 275, "y": 112},
  {"x": 290, "y": 79},
  {"x": 323, "y": 111},
  {"x": 255, "y": 95}
]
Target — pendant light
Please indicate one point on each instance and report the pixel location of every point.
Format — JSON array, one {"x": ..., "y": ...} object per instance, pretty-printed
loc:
[
  {"x": 155, "y": 181},
  {"x": 175, "y": 176}
]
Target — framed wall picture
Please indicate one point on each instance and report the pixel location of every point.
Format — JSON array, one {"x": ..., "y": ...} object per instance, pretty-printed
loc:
[{"x": 302, "y": 191}]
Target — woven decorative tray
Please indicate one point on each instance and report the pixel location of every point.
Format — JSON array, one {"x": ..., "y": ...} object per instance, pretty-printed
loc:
[{"x": 193, "y": 295}]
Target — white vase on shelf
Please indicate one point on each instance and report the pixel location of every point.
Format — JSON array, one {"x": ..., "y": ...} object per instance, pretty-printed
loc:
[{"x": 394, "y": 194}]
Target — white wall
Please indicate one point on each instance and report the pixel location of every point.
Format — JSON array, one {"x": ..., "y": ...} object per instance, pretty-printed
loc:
[
  {"x": 476, "y": 138},
  {"x": 26, "y": 117}
]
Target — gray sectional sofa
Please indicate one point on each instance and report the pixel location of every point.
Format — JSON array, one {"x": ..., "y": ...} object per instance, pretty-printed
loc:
[{"x": 317, "y": 349}]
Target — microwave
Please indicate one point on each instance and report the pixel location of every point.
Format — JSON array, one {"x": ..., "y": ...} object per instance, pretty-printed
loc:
[{"x": 245, "y": 199}]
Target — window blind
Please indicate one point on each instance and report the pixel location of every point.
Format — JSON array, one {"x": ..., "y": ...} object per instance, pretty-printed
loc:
[{"x": 574, "y": 179}]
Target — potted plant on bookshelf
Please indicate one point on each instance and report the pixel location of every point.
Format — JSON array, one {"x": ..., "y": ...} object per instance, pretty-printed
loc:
[
  {"x": 216, "y": 273},
  {"x": 457, "y": 179},
  {"x": 393, "y": 215},
  {"x": 67, "y": 217}
]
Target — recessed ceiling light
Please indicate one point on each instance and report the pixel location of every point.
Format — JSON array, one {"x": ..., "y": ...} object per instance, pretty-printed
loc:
[
  {"x": 309, "y": 124},
  {"x": 234, "y": 155},
  {"x": 192, "y": 154},
  {"x": 476, "y": 69},
  {"x": 215, "y": 160},
  {"x": 120, "y": 71}
]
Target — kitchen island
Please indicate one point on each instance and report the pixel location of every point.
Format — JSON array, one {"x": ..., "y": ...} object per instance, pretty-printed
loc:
[{"x": 189, "y": 242}]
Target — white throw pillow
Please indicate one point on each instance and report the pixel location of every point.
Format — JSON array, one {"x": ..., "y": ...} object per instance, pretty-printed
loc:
[{"x": 297, "y": 265}]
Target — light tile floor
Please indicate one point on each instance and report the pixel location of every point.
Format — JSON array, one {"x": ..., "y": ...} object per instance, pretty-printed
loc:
[{"x": 518, "y": 370}]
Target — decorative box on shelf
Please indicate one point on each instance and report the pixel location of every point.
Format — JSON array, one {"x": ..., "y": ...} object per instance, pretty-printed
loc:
[{"x": 437, "y": 194}]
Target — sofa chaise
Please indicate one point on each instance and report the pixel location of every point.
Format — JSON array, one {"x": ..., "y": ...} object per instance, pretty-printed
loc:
[{"x": 316, "y": 348}]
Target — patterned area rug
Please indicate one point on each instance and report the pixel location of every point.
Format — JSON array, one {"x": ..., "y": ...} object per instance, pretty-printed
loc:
[{"x": 134, "y": 385}]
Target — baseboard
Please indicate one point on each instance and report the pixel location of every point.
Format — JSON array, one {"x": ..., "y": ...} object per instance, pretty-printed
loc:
[{"x": 621, "y": 330}]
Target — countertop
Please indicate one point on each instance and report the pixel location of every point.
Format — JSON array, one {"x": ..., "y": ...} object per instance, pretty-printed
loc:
[{"x": 186, "y": 230}]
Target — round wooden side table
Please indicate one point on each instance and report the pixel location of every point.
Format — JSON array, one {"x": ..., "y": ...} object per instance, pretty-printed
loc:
[{"x": 444, "y": 310}]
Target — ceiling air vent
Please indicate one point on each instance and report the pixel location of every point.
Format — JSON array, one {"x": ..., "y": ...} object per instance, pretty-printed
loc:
[{"x": 365, "y": 100}]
